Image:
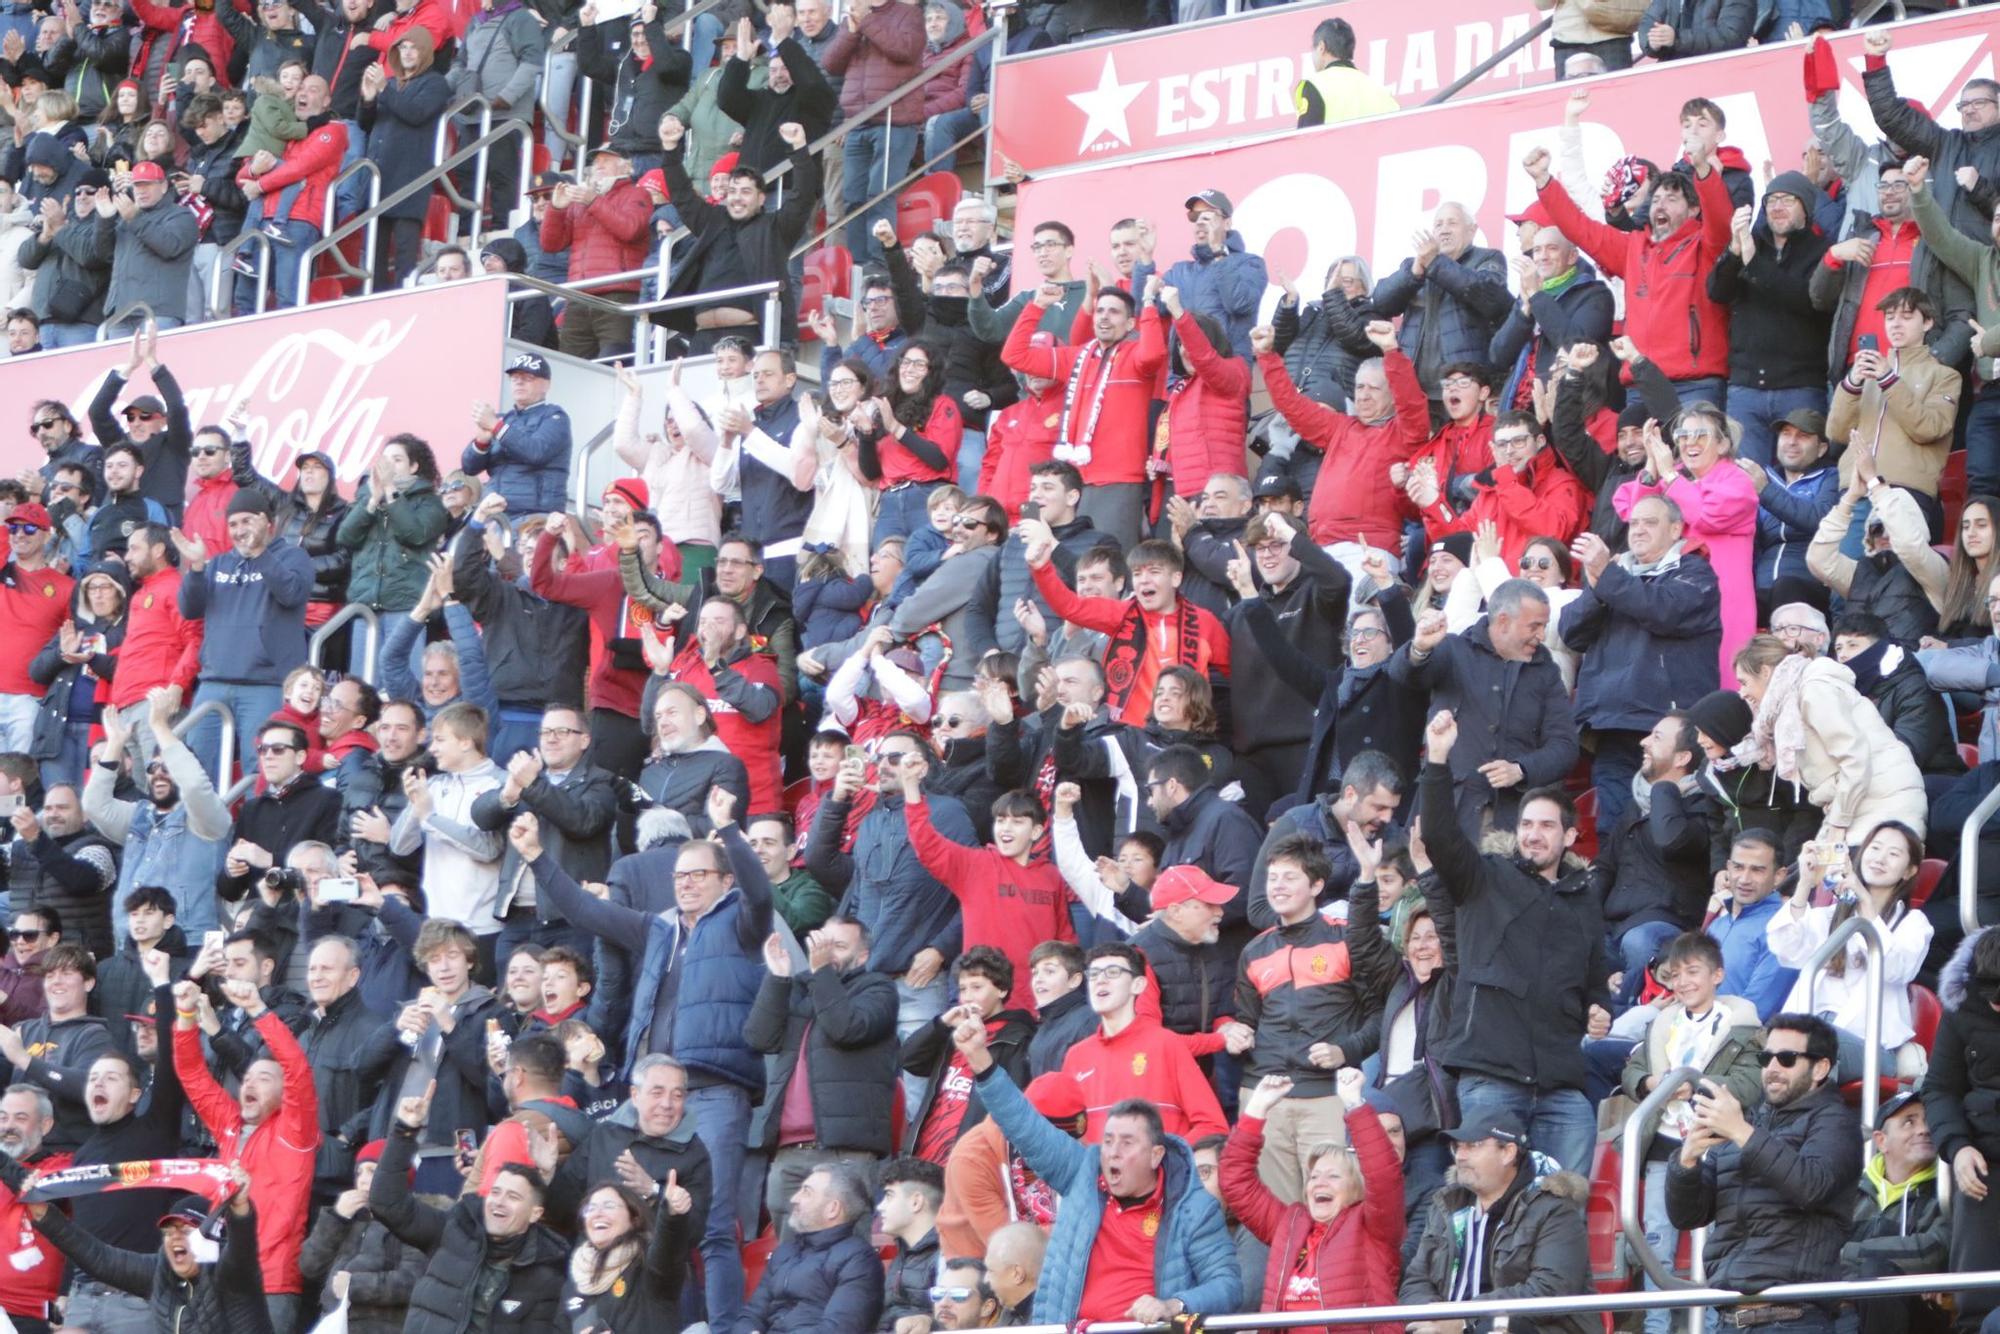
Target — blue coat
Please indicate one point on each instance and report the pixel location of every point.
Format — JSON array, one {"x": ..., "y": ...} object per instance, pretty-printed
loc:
[
  {"x": 528, "y": 459},
  {"x": 253, "y": 610},
  {"x": 1193, "y": 1257},
  {"x": 1750, "y": 969},
  {"x": 1788, "y": 514},
  {"x": 1649, "y": 643},
  {"x": 1468, "y": 297},
  {"x": 884, "y": 886},
  {"x": 1227, "y": 287},
  {"x": 829, "y": 610},
  {"x": 825, "y": 1282}
]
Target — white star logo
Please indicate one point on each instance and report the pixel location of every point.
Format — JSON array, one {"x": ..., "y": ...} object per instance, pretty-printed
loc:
[{"x": 1104, "y": 107}]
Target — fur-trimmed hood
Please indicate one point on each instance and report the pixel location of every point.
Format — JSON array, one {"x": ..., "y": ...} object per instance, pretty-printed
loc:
[
  {"x": 1550, "y": 1177},
  {"x": 1955, "y": 978}
]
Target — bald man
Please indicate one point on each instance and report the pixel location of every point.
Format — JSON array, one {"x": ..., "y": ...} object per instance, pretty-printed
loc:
[{"x": 1014, "y": 1269}]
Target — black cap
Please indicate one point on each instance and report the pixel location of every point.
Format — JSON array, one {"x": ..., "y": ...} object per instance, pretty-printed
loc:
[
  {"x": 189, "y": 1209},
  {"x": 249, "y": 500},
  {"x": 1214, "y": 199},
  {"x": 1276, "y": 484},
  {"x": 529, "y": 363},
  {"x": 547, "y": 181},
  {"x": 1894, "y": 1105},
  {"x": 1502, "y": 1126},
  {"x": 147, "y": 404}
]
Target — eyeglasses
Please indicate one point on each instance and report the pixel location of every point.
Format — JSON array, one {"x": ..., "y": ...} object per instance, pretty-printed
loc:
[
  {"x": 1362, "y": 632},
  {"x": 1893, "y": 187},
  {"x": 549, "y": 733},
  {"x": 689, "y": 877},
  {"x": 1969, "y": 103},
  {"x": 875, "y": 300},
  {"x": 1108, "y": 972},
  {"x": 156, "y": 767},
  {"x": 1693, "y": 433},
  {"x": 1807, "y": 629},
  {"x": 1043, "y": 247},
  {"x": 603, "y": 1206},
  {"x": 1271, "y": 548},
  {"x": 951, "y": 1294},
  {"x": 28, "y": 936},
  {"x": 1152, "y": 783},
  {"x": 734, "y": 562},
  {"x": 274, "y": 747},
  {"x": 209, "y": 449},
  {"x": 69, "y": 488},
  {"x": 1511, "y": 441},
  {"x": 135, "y": 415},
  {"x": 843, "y": 382},
  {"x": 915, "y": 363},
  {"x": 1786, "y": 1059},
  {"x": 1457, "y": 382}
]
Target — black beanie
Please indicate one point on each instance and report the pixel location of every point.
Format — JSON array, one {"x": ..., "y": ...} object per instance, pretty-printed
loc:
[{"x": 1723, "y": 716}]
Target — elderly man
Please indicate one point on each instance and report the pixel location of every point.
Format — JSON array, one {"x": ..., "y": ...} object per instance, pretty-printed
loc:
[
  {"x": 1648, "y": 625},
  {"x": 1454, "y": 295},
  {"x": 1014, "y": 1256},
  {"x": 1563, "y": 302},
  {"x": 153, "y": 251},
  {"x": 1898, "y": 1226},
  {"x": 824, "y": 1276},
  {"x": 64, "y": 864},
  {"x": 337, "y": 1030}
]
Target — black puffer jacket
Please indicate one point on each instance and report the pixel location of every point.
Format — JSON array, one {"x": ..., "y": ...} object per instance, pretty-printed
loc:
[
  {"x": 1531, "y": 955},
  {"x": 851, "y": 1058},
  {"x": 1197, "y": 982},
  {"x": 1777, "y": 340},
  {"x": 1962, "y": 1090},
  {"x": 906, "y": 1288},
  {"x": 334, "y": 1044},
  {"x": 963, "y": 774},
  {"x": 1016, "y": 749},
  {"x": 536, "y": 650},
  {"x": 1295, "y": 985},
  {"x": 314, "y": 531},
  {"x": 382, "y": 1270},
  {"x": 226, "y": 1297},
  {"x": 929, "y": 1052},
  {"x": 590, "y": 1165},
  {"x": 1658, "y": 866},
  {"x": 1539, "y": 1247},
  {"x": 1222, "y": 839},
  {"x": 1913, "y": 711},
  {"x": 1323, "y": 344},
  {"x": 458, "y": 1245},
  {"x": 1777, "y": 1208}
]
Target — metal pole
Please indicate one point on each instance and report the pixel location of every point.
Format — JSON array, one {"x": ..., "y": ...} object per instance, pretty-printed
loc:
[
  {"x": 1000, "y": 16},
  {"x": 1479, "y": 71},
  {"x": 371, "y": 629},
  {"x": 1632, "y": 1155},
  {"x": 226, "y": 752},
  {"x": 1871, "y": 1023},
  {"x": 1968, "y": 861}
]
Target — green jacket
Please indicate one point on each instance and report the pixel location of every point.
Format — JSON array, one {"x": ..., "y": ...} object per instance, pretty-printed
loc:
[
  {"x": 1977, "y": 263},
  {"x": 392, "y": 546},
  {"x": 710, "y": 130},
  {"x": 1731, "y": 1062}
]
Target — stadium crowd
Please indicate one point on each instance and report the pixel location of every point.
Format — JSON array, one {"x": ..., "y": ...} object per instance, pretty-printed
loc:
[{"x": 1013, "y": 834}]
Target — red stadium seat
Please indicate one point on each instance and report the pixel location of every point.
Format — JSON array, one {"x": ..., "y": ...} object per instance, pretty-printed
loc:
[
  {"x": 1928, "y": 876},
  {"x": 1968, "y": 754},
  {"x": 1951, "y": 490},
  {"x": 1607, "y": 1268},
  {"x": 925, "y": 202},
  {"x": 1926, "y": 1013},
  {"x": 1586, "y": 824}
]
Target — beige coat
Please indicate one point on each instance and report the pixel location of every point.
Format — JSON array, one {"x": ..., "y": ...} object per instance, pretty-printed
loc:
[
  {"x": 1855, "y": 769},
  {"x": 1906, "y": 426},
  {"x": 1573, "y": 25}
]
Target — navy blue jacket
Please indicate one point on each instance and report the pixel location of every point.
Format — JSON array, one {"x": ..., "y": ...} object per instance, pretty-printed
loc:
[
  {"x": 1527, "y": 343},
  {"x": 1227, "y": 287},
  {"x": 829, "y": 610},
  {"x": 827, "y": 1282},
  {"x": 721, "y": 965},
  {"x": 1649, "y": 643},
  {"x": 528, "y": 458},
  {"x": 884, "y": 886},
  {"x": 254, "y": 613},
  {"x": 1788, "y": 514},
  {"x": 1468, "y": 297}
]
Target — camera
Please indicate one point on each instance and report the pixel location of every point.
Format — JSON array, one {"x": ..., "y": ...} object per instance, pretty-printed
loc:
[
  {"x": 339, "y": 889},
  {"x": 282, "y": 878}
]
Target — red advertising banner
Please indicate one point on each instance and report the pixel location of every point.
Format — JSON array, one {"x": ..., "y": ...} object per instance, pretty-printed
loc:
[
  {"x": 1180, "y": 88},
  {"x": 1306, "y": 198},
  {"x": 341, "y": 378}
]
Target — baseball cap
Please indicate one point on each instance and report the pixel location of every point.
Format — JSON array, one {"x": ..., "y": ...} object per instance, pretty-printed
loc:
[
  {"x": 654, "y": 181},
  {"x": 31, "y": 513},
  {"x": 529, "y": 363},
  {"x": 1894, "y": 1105},
  {"x": 1277, "y": 484},
  {"x": 1178, "y": 884},
  {"x": 249, "y": 500},
  {"x": 547, "y": 181},
  {"x": 1805, "y": 419},
  {"x": 145, "y": 404},
  {"x": 1502, "y": 1126},
  {"x": 1534, "y": 213},
  {"x": 189, "y": 1209},
  {"x": 148, "y": 171},
  {"x": 1214, "y": 199}
]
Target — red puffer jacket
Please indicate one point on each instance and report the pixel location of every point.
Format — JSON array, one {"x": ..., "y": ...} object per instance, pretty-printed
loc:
[
  {"x": 1356, "y": 1257},
  {"x": 951, "y": 90},
  {"x": 1548, "y": 502},
  {"x": 607, "y": 235},
  {"x": 1208, "y": 414},
  {"x": 1353, "y": 500},
  {"x": 1023, "y": 435},
  {"x": 886, "y": 53},
  {"x": 1668, "y": 313},
  {"x": 311, "y": 161}
]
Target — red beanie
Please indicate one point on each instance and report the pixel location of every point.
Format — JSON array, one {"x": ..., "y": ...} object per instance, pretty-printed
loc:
[{"x": 635, "y": 491}]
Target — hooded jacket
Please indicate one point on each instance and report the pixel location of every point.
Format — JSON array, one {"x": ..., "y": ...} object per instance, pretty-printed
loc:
[
  {"x": 810, "y": 102},
  {"x": 873, "y": 60},
  {"x": 1777, "y": 337},
  {"x": 1538, "y": 1245},
  {"x": 1897, "y": 1227},
  {"x": 1226, "y": 286},
  {"x": 151, "y": 256},
  {"x": 72, "y": 269},
  {"x": 640, "y": 93},
  {"x": 1668, "y": 311},
  {"x": 74, "y": 692},
  {"x": 382, "y": 1271},
  {"x": 1888, "y": 675},
  {"x": 1648, "y": 640},
  {"x": 401, "y": 121}
]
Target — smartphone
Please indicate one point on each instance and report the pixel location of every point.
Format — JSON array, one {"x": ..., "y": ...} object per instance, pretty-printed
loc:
[
  {"x": 1031, "y": 509},
  {"x": 212, "y": 940},
  {"x": 857, "y": 754},
  {"x": 9, "y": 803},
  {"x": 1868, "y": 343},
  {"x": 339, "y": 889}
]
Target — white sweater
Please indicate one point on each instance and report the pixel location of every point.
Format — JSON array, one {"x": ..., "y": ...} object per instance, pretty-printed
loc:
[{"x": 1843, "y": 1000}]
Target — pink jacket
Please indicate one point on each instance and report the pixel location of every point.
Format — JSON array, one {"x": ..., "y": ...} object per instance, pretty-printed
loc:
[{"x": 1720, "y": 510}]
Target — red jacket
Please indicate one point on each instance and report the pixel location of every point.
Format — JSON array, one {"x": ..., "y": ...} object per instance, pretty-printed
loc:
[
  {"x": 278, "y": 1156},
  {"x": 1208, "y": 415},
  {"x": 1006, "y": 905},
  {"x": 204, "y": 30},
  {"x": 1118, "y": 449},
  {"x": 311, "y": 162},
  {"x": 33, "y": 1276},
  {"x": 1668, "y": 313},
  {"x": 1356, "y": 1259},
  {"x": 945, "y": 428},
  {"x": 1550, "y": 502},
  {"x": 1022, "y": 435},
  {"x": 33, "y": 606},
  {"x": 162, "y": 647},
  {"x": 207, "y": 515},
  {"x": 1150, "y": 1062},
  {"x": 601, "y": 593},
  {"x": 610, "y": 234},
  {"x": 1130, "y": 682},
  {"x": 951, "y": 90},
  {"x": 743, "y": 703},
  {"x": 1352, "y": 497},
  {"x": 1459, "y": 450},
  {"x": 885, "y": 54},
  {"x": 432, "y": 16}
]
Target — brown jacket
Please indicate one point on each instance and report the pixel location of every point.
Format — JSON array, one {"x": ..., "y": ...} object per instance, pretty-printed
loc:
[{"x": 1904, "y": 419}]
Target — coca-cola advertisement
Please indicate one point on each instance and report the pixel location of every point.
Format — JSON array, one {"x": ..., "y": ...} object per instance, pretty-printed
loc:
[{"x": 340, "y": 378}]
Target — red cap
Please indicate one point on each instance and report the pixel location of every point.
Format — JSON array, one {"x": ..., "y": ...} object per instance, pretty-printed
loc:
[
  {"x": 634, "y": 489},
  {"x": 31, "y": 513},
  {"x": 149, "y": 171},
  {"x": 655, "y": 182},
  {"x": 1178, "y": 884},
  {"x": 371, "y": 1152},
  {"x": 1534, "y": 213},
  {"x": 1056, "y": 1096},
  {"x": 725, "y": 164}
]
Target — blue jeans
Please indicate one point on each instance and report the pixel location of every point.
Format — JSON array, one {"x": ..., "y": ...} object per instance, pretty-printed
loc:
[
  {"x": 1760, "y": 411},
  {"x": 1663, "y": 1239},
  {"x": 66, "y": 769},
  {"x": 1982, "y": 441},
  {"x": 1708, "y": 389},
  {"x": 68, "y": 335},
  {"x": 944, "y": 130},
  {"x": 250, "y": 705},
  {"x": 873, "y": 158},
  {"x": 721, "y": 1115},
  {"x": 1611, "y": 771},
  {"x": 915, "y": 1007},
  {"x": 1561, "y": 1122},
  {"x": 707, "y": 32},
  {"x": 971, "y": 455},
  {"x": 286, "y": 249},
  {"x": 1636, "y": 948},
  {"x": 903, "y": 510}
]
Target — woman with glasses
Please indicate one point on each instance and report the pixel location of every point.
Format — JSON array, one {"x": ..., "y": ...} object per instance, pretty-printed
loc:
[
  {"x": 909, "y": 439},
  {"x": 1718, "y": 505},
  {"x": 627, "y": 1271},
  {"x": 1183, "y": 714},
  {"x": 844, "y": 498},
  {"x": 75, "y": 669},
  {"x": 1342, "y": 1245},
  {"x": 1872, "y": 879}
]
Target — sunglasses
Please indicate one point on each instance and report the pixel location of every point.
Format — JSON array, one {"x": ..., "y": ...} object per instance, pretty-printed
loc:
[
  {"x": 29, "y": 936},
  {"x": 952, "y": 721},
  {"x": 46, "y": 423},
  {"x": 942, "y": 1294},
  {"x": 274, "y": 747},
  {"x": 209, "y": 449},
  {"x": 1538, "y": 563},
  {"x": 23, "y": 529},
  {"x": 135, "y": 415},
  {"x": 1786, "y": 1059}
]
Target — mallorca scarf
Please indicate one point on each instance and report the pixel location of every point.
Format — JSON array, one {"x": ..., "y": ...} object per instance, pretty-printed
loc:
[{"x": 1127, "y": 650}]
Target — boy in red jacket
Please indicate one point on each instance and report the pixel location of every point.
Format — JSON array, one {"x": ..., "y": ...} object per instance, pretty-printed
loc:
[{"x": 1011, "y": 899}]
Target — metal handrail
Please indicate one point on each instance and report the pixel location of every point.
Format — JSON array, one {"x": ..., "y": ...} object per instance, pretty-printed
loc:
[
  {"x": 104, "y": 328},
  {"x": 1479, "y": 71},
  {"x": 835, "y": 225},
  {"x": 1899, "y": 1285},
  {"x": 371, "y": 628},
  {"x": 479, "y": 164},
  {"x": 226, "y": 752},
  {"x": 1968, "y": 861},
  {"x": 771, "y": 290},
  {"x": 554, "y": 118},
  {"x": 225, "y": 269},
  {"x": 366, "y": 272},
  {"x": 1871, "y": 1023},
  {"x": 1632, "y": 1158}
]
